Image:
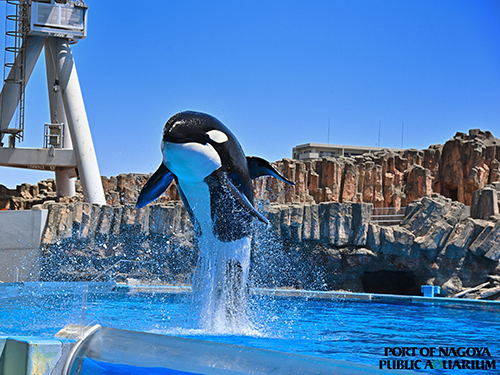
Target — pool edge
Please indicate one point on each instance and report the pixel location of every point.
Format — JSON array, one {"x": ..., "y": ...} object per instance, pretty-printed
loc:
[{"x": 370, "y": 297}]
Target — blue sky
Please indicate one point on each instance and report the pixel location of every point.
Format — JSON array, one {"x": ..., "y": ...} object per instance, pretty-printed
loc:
[{"x": 276, "y": 72}]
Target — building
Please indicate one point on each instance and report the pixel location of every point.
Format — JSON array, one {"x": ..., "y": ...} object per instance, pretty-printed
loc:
[{"x": 309, "y": 151}]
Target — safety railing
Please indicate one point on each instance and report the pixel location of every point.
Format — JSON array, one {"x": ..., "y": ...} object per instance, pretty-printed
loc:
[
  {"x": 387, "y": 215},
  {"x": 135, "y": 269}
]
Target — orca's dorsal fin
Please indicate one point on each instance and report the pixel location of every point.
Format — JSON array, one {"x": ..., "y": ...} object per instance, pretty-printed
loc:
[
  {"x": 156, "y": 185},
  {"x": 259, "y": 167}
]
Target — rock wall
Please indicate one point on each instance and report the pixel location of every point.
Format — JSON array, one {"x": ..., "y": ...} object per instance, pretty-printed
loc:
[
  {"x": 81, "y": 241},
  {"x": 434, "y": 244},
  {"x": 455, "y": 170},
  {"x": 329, "y": 246},
  {"x": 122, "y": 189},
  {"x": 25, "y": 196},
  {"x": 486, "y": 202}
]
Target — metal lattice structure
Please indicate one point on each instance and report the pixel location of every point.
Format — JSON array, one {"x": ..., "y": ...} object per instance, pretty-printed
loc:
[{"x": 32, "y": 25}]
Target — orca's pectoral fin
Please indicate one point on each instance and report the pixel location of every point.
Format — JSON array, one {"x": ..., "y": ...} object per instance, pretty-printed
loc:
[
  {"x": 260, "y": 167},
  {"x": 241, "y": 199},
  {"x": 156, "y": 185}
]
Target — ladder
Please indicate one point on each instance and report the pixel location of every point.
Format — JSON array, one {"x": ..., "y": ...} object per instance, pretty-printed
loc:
[{"x": 16, "y": 28}]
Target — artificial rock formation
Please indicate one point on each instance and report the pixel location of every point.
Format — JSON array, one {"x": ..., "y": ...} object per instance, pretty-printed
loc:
[
  {"x": 434, "y": 244},
  {"x": 464, "y": 164},
  {"x": 121, "y": 189},
  {"x": 321, "y": 235},
  {"x": 82, "y": 240},
  {"x": 455, "y": 170},
  {"x": 26, "y": 196},
  {"x": 326, "y": 246}
]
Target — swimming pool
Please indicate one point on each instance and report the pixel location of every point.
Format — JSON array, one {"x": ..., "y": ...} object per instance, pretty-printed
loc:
[{"x": 358, "y": 331}]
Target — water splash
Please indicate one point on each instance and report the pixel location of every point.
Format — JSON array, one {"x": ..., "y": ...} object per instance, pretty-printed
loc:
[
  {"x": 222, "y": 279},
  {"x": 220, "y": 286},
  {"x": 84, "y": 311}
]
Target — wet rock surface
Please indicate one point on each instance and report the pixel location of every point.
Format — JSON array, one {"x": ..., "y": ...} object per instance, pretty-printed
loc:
[
  {"x": 92, "y": 243},
  {"x": 326, "y": 246}
]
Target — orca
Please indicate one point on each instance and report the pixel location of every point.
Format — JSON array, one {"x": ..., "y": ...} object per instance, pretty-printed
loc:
[
  {"x": 212, "y": 174},
  {"x": 214, "y": 180}
]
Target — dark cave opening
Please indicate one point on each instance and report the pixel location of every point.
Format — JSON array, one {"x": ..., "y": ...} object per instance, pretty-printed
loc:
[
  {"x": 390, "y": 282},
  {"x": 454, "y": 194}
]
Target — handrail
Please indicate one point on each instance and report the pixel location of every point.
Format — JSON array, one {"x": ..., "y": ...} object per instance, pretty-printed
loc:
[
  {"x": 387, "y": 215},
  {"x": 105, "y": 271}
]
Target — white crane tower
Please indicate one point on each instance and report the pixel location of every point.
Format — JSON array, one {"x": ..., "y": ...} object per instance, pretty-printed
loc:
[{"x": 68, "y": 148}]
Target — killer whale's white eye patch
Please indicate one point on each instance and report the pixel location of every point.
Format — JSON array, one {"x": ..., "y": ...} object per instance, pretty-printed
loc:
[{"x": 217, "y": 136}]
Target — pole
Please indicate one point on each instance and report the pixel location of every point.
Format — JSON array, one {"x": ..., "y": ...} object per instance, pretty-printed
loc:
[
  {"x": 65, "y": 185},
  {"x": 402, "y": 133},
  {"x": 328, "y": 130},
  {"x": 379, "y": 122},
  {"x": 77, "y": 121},
  {"x": 11, "y": 91}
]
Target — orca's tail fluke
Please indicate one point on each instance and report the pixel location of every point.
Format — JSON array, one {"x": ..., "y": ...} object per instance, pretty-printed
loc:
[
  {"x": 156, "y": 185},
  {"x": 261, "y": 167}
]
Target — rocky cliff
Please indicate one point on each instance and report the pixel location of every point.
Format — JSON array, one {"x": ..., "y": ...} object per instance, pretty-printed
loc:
[
  {"x": 329, "y": 246},
  {"x": 121, "y": 189},
  {"x": 464, "y": 164},
  {"x": 321, "y": 235}
]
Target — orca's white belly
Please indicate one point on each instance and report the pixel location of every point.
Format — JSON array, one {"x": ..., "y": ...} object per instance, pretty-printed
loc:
[
  {"x": 198, "y": 196},
  {"x": 190, "y": 161}
]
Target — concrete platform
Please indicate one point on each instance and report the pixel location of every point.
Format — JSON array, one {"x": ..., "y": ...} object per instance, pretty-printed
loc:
[
  {"x": 38, "y": 158},
  {"x": 20, "y": 234}
]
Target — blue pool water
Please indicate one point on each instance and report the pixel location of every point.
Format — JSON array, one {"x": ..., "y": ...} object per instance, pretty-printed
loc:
[{"x": 356, "y": 331}]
